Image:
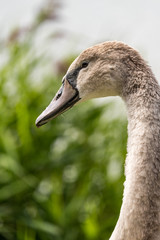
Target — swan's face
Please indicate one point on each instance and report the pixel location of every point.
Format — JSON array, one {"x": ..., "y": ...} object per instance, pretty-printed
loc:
[{"x": 95, "y": 73}]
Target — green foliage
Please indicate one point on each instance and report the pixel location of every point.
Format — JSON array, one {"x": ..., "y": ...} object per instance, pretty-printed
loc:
[{"x": 64, "y": 180}]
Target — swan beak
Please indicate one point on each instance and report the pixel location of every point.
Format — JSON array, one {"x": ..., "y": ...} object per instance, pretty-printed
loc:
[{"x": 65, "y": 98}]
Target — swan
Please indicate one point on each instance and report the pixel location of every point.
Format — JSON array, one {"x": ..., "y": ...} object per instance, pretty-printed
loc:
[{"x": 115, "y": 69}]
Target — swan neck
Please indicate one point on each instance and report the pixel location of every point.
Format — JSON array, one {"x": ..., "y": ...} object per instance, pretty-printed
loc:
[{"x": 140, "y": 212}]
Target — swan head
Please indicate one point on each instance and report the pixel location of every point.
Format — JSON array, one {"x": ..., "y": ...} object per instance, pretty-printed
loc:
[{"x": 99, "y": 71}]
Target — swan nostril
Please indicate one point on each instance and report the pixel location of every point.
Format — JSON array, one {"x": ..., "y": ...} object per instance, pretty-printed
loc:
[{"x": 59, "y": 94}]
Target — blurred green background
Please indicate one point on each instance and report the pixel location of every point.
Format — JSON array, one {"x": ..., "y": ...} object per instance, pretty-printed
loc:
[{"x": 63, "y": 181}]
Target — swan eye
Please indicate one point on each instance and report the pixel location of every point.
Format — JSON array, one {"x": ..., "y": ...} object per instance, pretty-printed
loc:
[{"x": 84, "y": 64}]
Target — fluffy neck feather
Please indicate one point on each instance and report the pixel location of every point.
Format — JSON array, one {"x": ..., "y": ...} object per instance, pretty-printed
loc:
[{"x": 140, "y": 212}]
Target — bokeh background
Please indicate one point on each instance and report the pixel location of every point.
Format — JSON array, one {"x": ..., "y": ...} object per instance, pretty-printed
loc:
[{"x": 63, "y": 181}]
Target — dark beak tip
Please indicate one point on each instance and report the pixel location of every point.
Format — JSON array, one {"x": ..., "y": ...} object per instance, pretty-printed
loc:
[
  {"x": 37, "y": 125},
  {"x": 38, "y": 122}
]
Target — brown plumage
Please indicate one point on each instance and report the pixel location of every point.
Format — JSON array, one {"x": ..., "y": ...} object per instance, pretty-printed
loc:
[{"x": 110, "y": 69}]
